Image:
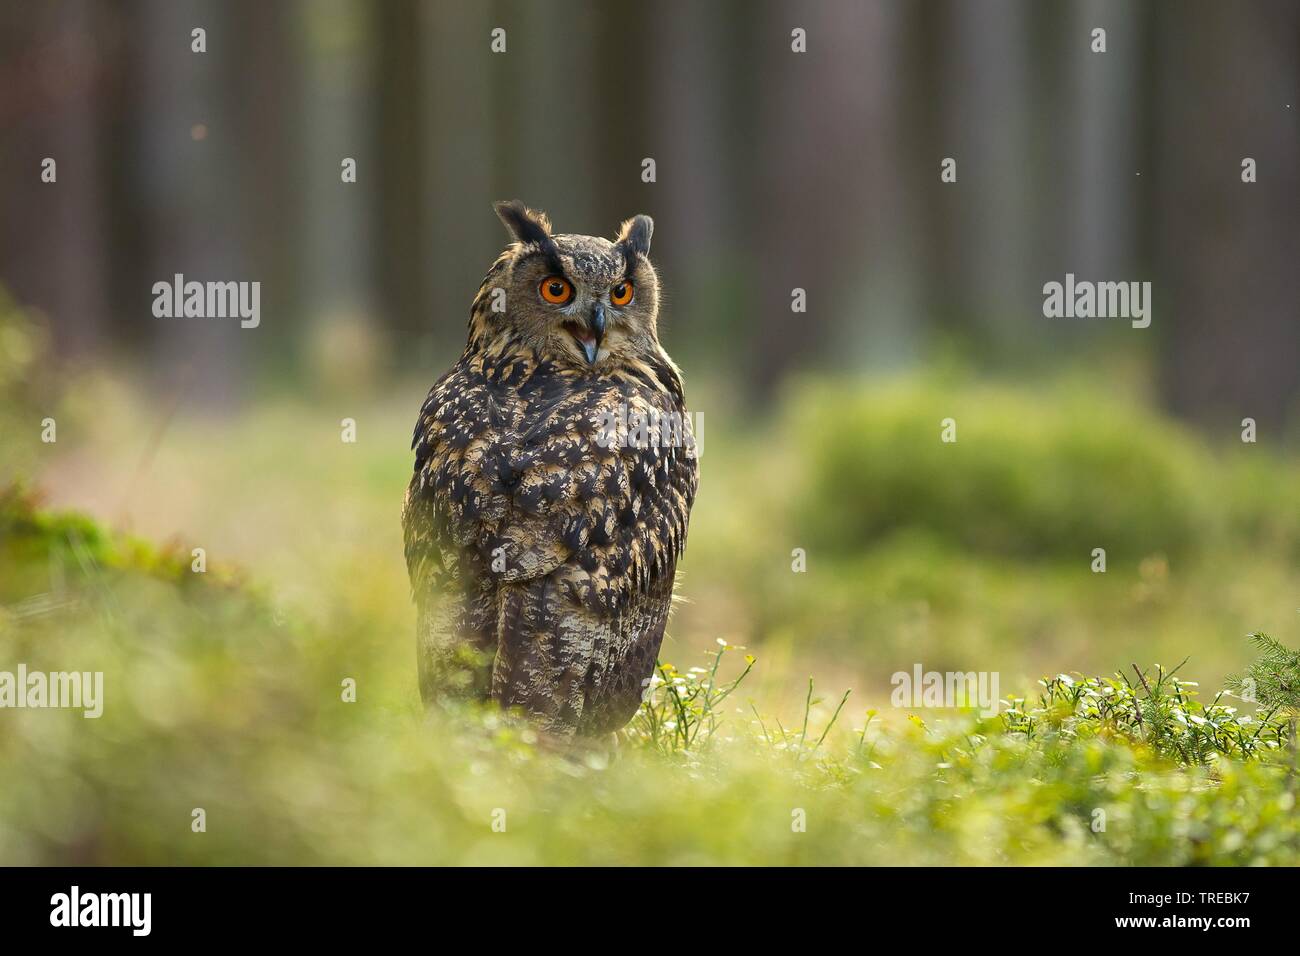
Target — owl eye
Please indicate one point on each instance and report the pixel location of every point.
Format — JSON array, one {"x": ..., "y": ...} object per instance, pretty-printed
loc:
[
  {"x": 556, "y": 290},
  {"x": 621, "y": 294}
]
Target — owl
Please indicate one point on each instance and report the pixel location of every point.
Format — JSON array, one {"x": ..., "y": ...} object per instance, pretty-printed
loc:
[{"x": 555, "y": 470}]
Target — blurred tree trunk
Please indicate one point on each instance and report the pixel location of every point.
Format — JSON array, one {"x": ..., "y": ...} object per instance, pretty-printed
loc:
[
  {"x": 400, "y": 162},
  {"x": 337, "y": 231},
  {"x": 190, "y": 152},
  {"x": 1100, "y": 155},
  {"x": 1227, "y": 306},
  {"x": 462, "y": 144},
  {"x": 823, "y": 199},
  {"x": 261, "y": 68},
  {"x": 55, "y": 60},
  {"x": 989, "y": 118}
]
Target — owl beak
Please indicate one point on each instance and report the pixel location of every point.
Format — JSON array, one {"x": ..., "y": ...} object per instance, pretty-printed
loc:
[{"x": 596, "y": 325}]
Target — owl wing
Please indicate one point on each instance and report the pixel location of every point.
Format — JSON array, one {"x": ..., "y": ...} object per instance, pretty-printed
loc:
[
  {"x": 576, "y": 501},
  {"x": 599, "y": 513},
  {"x": 455, "y": 597}
]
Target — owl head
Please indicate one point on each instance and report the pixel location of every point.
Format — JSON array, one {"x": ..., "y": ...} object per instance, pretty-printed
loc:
[{"x": 575, "y": 300}]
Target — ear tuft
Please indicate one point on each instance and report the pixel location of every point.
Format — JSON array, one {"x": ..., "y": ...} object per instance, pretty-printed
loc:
[
  {"x": 635, "y": 234},
  {"x": 526, "y": 225}
]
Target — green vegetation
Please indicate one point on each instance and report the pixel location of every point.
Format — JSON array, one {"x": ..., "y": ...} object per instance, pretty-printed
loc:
[
  {"x": 1273, "y": 678},
  {"x": 1025, "y": 477},
  {"x": 224, "y": 690},
  {"x": 216, "y": 700},
  {"x": 982, "y": 550}
]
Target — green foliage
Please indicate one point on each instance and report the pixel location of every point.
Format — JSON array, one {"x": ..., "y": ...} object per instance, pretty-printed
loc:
[
  {"x": 43, "y": 549},
  {"x": 1046, "y": 473},
  {"x": 1160, "y": 712},
  {"x": 215, "y": 699},
  {"x": 681, "y": 711},
  {"x": 227, "y": 697},
  {"x": 23, "y": 344},
  {"x": 1272, "y": 679}
]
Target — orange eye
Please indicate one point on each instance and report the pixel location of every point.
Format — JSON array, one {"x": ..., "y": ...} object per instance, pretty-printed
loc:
[
  {"x": 555, "y": 290},
  {"x": 621, "y": 294}
]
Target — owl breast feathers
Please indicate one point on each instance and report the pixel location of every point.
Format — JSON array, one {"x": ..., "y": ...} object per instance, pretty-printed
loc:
[{"x": 554, "y": 475}]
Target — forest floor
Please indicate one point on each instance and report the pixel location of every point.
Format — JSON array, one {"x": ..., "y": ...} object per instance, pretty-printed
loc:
[
  {"x": 837, "y": 542},
  {"x": 234, "y": 733},
  {"x": 275, "y": 692}
]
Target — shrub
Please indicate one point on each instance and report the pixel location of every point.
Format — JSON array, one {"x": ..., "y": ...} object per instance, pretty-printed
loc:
[{"x": 1054, "y": 474}]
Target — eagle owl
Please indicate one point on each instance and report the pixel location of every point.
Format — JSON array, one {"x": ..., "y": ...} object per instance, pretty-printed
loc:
[{"x": 554, "y": 475}]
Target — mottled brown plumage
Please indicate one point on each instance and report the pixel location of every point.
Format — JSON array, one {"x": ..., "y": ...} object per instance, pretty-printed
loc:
[{"x": 542, "y": 525}]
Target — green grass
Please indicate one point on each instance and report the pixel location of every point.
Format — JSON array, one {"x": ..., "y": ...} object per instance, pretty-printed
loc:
[
  {"x": 981, "y": 551},
  {"x": 217, "y": 700},
  {"x": 225, "y": 689}
]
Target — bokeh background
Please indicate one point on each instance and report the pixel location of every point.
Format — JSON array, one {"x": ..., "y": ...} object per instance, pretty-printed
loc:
[{"x": 774, "y": 170}]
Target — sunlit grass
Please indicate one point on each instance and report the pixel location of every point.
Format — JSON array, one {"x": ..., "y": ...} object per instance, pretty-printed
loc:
[
  {"x": 217, "y": 700},
  {"x": 768, "y": 736}
]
